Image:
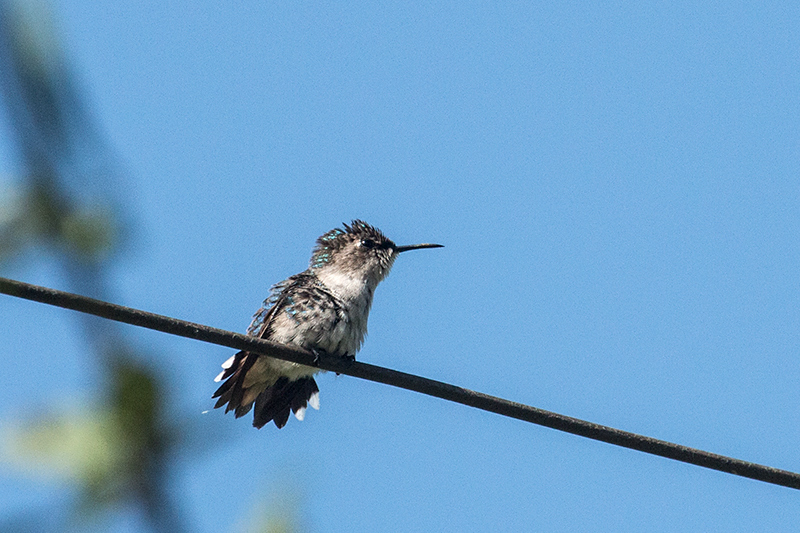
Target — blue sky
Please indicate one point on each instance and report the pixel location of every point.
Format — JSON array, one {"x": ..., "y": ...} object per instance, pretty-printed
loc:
[{"x": 617, "y": 189}]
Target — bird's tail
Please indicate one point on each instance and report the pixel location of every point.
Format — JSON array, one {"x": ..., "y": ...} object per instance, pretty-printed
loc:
[{"x": 273, "y": 402}]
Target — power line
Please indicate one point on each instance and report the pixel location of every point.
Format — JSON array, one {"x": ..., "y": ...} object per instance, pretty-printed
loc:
[{"x": 411, "y": 382}]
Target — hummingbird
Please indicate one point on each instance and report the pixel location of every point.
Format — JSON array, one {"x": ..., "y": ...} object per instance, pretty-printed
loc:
[{"x": 323, "y": 309}]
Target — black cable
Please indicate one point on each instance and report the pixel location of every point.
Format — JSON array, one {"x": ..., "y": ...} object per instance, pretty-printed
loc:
[{"x": 405, "y": 381}]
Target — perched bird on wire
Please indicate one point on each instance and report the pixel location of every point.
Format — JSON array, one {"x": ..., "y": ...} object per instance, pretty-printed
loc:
[{"x": 323, "y": 309}]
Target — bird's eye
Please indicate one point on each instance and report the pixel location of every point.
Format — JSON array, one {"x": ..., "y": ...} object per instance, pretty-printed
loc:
[{"x": 367, "y": 243}]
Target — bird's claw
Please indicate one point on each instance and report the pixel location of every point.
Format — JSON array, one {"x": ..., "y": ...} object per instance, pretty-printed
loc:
[{"x": 349, "y": 359}]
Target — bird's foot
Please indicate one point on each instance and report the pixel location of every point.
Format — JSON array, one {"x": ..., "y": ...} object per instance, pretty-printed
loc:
[
  {"x": 317, "y": 354},
  {"x": 349, "y": 359}
]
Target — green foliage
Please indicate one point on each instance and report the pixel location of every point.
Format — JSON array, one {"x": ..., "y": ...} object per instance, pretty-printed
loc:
[
  {"x": 79, "y": 446},
  {"x": 111, "y": 452},
  {"x": 39, "y": 215},
  {"x": 117, "y": 449}
]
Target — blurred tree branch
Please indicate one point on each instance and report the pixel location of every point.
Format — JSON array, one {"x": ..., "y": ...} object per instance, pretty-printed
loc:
[{"x": 63, "y": 203}]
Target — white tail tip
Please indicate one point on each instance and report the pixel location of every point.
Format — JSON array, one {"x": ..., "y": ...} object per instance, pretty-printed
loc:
[{"x": 313, "y": 401}]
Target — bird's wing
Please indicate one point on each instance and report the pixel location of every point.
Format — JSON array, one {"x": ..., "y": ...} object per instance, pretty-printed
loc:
[{"x": 235, "y": 369}]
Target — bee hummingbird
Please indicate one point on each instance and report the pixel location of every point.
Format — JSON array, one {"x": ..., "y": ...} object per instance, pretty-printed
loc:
[{"x": 323, "y": 309}]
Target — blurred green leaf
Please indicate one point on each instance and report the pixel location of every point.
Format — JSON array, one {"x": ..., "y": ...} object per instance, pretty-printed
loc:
[
  {"x": 11, "y": 221},
  {"x": 90, "y": 233},
  {"x": 280, "y": 513},
  {"x": 109, "y": 453},
  {"x": 40, "y": 216},
  {"x": 78, "y": 446}
]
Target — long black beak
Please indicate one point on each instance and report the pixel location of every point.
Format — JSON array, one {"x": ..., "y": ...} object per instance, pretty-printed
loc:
[{"x": 416, "y": 247}]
